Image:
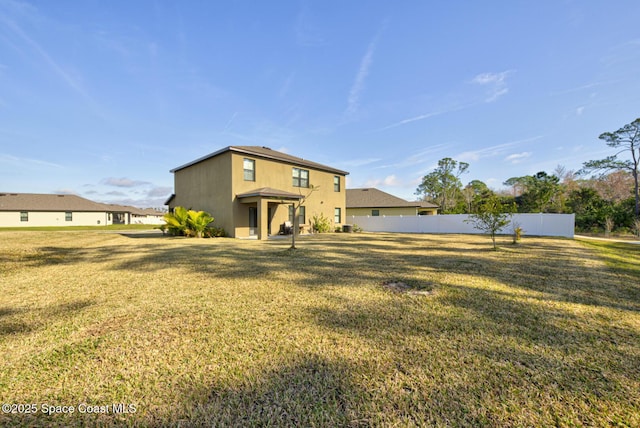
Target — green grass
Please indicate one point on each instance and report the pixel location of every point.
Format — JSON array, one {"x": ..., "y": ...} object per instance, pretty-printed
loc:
[{"x": 220, "y": 332}]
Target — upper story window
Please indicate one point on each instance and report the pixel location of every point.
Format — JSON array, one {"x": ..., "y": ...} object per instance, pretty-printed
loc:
[
  {"x": 336, "y": 183},
  {"x": 300, "y": 177},
  {"x": 249, "y": 166}
]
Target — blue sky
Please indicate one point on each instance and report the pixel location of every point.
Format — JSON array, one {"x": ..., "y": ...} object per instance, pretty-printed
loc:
[{"x": 103, "y": 98}]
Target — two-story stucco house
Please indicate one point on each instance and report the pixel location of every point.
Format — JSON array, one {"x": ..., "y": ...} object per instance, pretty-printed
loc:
[{"x": 250, "y": 190}]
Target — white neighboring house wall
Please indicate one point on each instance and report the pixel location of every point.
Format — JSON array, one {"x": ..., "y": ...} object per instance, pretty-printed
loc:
[
  {"x": 53, "y": 218},
  {"x": 146, "y": 219},
  {"x": 532, "y": 224}
]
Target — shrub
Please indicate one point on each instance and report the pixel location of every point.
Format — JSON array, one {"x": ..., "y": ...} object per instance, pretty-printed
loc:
[
  {"x": 321, "y": 223},
  {"x": 183, "y": 222}
]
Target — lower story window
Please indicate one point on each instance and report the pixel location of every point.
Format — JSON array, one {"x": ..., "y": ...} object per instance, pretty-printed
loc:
[
  {"x": 301, "y": 215},
  {"x": 24, "y": 216},
  {"x": 337, "y": 215},
  {"x": 375, "y": 213},
  {"x": 68, "y": 216}
]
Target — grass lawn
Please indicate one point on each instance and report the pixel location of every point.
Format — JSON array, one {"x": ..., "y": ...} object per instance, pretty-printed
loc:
[{"x": 224, "y": 332}]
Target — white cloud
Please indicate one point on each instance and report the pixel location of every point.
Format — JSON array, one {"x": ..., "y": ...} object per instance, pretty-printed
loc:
[
  {"x": 390, "y": 180},
  {"x": 123, "y": 182},
  {"x": 496, "y": 84},
  {"x": 580, "y": 110},
  {"x": 491, "y": 151},
  {"x": 518, "y": 157}
]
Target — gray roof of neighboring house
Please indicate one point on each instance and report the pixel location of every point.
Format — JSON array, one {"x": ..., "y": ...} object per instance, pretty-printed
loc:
[
  {"x": 265, "y": 153},
  {"x": 46, "y": 202},
  {"x": 374, "y": 198},
  {"x": 54, "y": 202}
]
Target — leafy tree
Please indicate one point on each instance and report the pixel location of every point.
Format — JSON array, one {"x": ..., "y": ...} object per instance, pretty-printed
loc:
[
  {"x": 442, "y": 186},
  {"x": 492, "y": 216},
  {"x": 541, "y": 191},
  {"x": 589, "y": 207},
  {"x": 473, "y": 193},
  {"x": 625, "y": 140},
  {"x": 517, "y": 184}
]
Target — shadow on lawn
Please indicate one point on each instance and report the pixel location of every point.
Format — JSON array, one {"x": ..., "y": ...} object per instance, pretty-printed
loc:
[
  {"x": 549, "y": 267},
  {"x": 310, "y": 391},
  {"x": 515, "y": 349},
  {"x": 12, "y": 320}
]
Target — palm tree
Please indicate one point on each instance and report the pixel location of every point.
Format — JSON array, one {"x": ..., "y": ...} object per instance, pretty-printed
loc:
[
  {"x": 177, "y": 221},
  {"x": 198, "y": 221}
]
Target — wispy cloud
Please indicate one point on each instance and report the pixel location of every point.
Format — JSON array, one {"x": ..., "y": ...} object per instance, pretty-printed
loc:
[
  {"x": 491, "y": 151},
  {"x": 496, "y": 84},
  {"x": 517, "y": 158},
  {"x": 419, "y": 158},
  {"x": 123, "y": 182},
  {"x": 66, "y": 76},
  {"x": 307, "y": 33},
  {"x": 229, "y": 122},
  {"x": 26, "y": 162},
  {"x": 353, "y": 101},
  {"x": 389, "y": 181},
  {"x": 159, "y": 191},
  {"x": 425, "y": 116},
  {"x": 354, "y": 163}
]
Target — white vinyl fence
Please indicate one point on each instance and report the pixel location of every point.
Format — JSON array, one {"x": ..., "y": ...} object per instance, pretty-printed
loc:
[{"x": 531, "y": 224}]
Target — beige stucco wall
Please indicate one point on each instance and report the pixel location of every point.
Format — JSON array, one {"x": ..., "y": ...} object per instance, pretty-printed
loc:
[
  {"x": 206, "y": 186},
  {"x": 47, "y": 218},
  {"x": 406, "y": 211},
  {"x": 212, "y": 186},
  {"x": 278, "y": 175}
]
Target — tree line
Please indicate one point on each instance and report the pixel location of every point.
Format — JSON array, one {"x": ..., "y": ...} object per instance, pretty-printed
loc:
[{"x": 603, "y": 194}]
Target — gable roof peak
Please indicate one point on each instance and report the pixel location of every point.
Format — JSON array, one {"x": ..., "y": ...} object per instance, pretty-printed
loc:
[{"x": 265, "y": 153}]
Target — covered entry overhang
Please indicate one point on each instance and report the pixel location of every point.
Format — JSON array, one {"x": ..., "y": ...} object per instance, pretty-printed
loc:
[{"x": 262, "y": 198}]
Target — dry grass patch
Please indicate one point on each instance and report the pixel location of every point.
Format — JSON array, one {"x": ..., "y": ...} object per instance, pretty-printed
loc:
[{"x": 229, "y": 332}]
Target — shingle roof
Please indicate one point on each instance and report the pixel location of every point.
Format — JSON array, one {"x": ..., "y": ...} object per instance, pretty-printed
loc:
[
  {"x": 49, "y": 202},
  {"x": 374, "y": 198},
  {"x": 266, "y": 153},
  {"x": 270, "y": 192},
  {"x": 45, "y": 202}
]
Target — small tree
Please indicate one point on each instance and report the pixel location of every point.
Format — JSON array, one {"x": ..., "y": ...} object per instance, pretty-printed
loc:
[
  {"x": 491, "y": 217},
  {"x": 296, "y": 206}
]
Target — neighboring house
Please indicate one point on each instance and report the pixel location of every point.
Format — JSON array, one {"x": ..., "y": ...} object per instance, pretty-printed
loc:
[
  {"x": 125, "y": 214},
  {"x": 374, "y": 202},
  {"x": 29, "y": 209},
  {"x": 251, "y": 190},
  {"x": 147, "y": 216}
]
